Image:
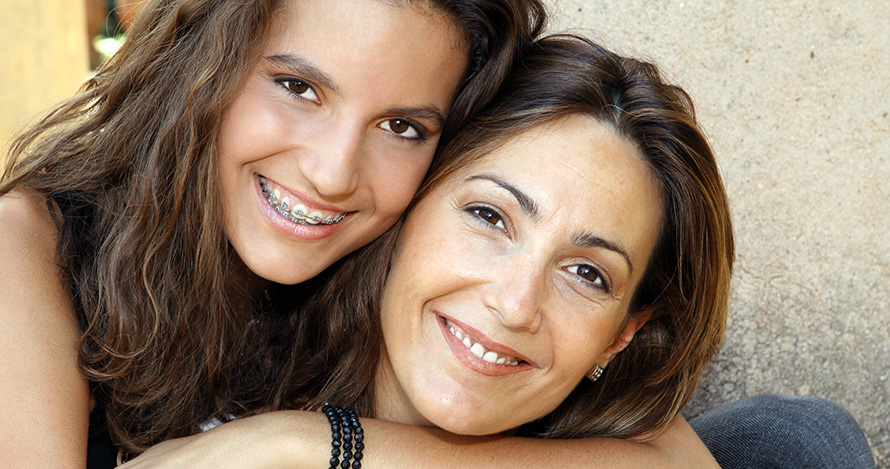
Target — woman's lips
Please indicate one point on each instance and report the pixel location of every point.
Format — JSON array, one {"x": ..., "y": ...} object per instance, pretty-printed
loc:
[{"x": 477, "y": 352}]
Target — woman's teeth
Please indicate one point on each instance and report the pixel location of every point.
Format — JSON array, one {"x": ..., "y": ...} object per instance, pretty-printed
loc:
[
  {"x": 480, "y": 351},
  {"x": 298, "y": 213}
]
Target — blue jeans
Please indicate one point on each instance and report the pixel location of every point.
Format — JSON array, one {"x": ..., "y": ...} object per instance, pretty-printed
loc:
[{"x": 773, "y": 431}]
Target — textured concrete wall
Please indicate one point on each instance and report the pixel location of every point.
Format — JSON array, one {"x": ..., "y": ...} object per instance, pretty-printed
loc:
[
  {"x": 43, "y": 57},
  {"x": 795, "y": 97}
]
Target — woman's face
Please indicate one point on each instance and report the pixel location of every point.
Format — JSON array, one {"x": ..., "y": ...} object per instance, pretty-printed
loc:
[
  {"x": 513, "y": 279},
  {"x": 333, "y": 130}
]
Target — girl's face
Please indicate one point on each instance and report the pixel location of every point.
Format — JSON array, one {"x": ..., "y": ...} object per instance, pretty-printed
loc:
[
  {"x": 513, "y": 279},
  {"x": 333, "y": 130}
]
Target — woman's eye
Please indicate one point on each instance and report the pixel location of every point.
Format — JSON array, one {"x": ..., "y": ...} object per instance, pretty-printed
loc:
[
  {"x": 489, "y": 216},
  {"x": 589, "y": 274},
  {"x": 299, "y": 88},
  {"x": 403, "y": 128}
]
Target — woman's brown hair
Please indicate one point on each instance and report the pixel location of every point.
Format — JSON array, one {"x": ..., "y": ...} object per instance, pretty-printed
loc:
[
  {"x": 686, "y": 285},
  {"x": 171, "y": 336}
]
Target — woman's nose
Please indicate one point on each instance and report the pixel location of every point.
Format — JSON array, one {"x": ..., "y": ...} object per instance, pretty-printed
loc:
[
  {"x": 515, "y": 294},
  {"x": 332, "y": 163}
]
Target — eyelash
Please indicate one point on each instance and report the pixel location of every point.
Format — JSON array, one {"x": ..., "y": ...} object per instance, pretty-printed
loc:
[
  {"x": 603, "y": 285},
  {"x": 476, "y": 211},
  {"x": 284, "y": 81},
  {"x": 422, "y": 133}
]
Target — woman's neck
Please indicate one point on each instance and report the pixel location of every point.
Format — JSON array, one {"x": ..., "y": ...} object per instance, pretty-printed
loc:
[{"x": 390, "y": 400}]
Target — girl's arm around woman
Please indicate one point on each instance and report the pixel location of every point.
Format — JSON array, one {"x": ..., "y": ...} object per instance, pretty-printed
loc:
[{"x": 295, "y": 439}]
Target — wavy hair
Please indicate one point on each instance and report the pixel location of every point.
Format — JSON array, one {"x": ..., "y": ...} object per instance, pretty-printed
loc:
[
  {"x": 171, "y": 336},
  {"x": 685, "y": 288}
]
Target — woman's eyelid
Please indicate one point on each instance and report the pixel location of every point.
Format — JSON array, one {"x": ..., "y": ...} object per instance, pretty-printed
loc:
[
  {"x": 477, "y": 207},
  {"x": 600, "y": 271}
]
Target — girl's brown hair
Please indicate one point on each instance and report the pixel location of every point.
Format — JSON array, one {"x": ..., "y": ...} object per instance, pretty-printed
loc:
[
  {"x": 686, "y": 284},
  {"x": 171, "y": 336}
]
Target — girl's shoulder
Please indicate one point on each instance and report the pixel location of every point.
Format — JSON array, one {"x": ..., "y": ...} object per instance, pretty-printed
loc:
[
  {"x": 27, "y": 225},
  {"x": 40, "y": 334}
]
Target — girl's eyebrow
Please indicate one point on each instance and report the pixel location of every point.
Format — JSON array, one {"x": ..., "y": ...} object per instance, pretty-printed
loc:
[
  {"x": 530, "y": 208},
  {"x": 300, "y": 66},
  {"x": 304, "y": 68}
]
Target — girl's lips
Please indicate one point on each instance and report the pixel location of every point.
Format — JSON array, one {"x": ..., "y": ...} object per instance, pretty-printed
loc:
[
  {"x": 471, "y": 360},
  {"x": 291, "y": 229}
]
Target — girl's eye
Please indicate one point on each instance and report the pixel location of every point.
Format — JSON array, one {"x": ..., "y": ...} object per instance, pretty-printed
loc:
[
  {"x": 403, "y": 128},
  {"x": 489, "y": 216},
  {"x": 299, "y": 88},
  {"x": 590, "y": 274}
]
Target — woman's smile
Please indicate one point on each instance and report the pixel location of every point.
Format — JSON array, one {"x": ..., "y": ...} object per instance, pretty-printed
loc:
[{"x": 477, "y": 352}]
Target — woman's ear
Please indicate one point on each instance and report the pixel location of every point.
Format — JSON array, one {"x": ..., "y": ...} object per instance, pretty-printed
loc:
[{"x": 624, "y": 337}]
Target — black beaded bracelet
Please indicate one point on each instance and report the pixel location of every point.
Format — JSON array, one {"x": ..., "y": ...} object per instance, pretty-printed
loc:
[{"x": 345, "y": 428}]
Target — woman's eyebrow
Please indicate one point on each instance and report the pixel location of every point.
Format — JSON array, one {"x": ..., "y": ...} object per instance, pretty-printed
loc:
[
  {"x": 526, "y": 203},
  {"x": 530, "y": 207},
  {"x": 587, "y": 239},
  {"x": 302, "y": 67}
]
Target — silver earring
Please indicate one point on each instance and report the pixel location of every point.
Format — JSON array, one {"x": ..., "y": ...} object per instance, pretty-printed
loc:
[{"x": 595, "y": 374}]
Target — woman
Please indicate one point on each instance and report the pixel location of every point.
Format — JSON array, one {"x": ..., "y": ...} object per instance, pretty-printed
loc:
[
  {"x": 147, "y": 255},
  {"x": 652, "y": 238}
]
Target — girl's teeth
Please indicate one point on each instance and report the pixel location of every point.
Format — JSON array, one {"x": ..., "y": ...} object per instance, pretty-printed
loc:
[
  {"x": 490, "y": 357},
  {"x": 501, "y": 361},
  {"x": 467, "y": 343},
  {"x": 297, "y": 214}
]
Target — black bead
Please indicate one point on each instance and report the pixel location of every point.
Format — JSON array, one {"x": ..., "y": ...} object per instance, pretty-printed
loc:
[
  {"x": 334, "y": 461},
  {"x": 335, "y": 443},
  {"x": 347, "y": 455},
  {"x": 359, "y": 437},
  {"x": 359, "y": 445},
  {"x": 356, "y": 465},
  {"x": 358, "y": 430},
  {"x": 337, "y": 436},
  {"x": 335, "y": 452},
  {"x": 344, "y": 464},
  {"x": 358, "y": 455},
  {"x": 347, "y": 446}
]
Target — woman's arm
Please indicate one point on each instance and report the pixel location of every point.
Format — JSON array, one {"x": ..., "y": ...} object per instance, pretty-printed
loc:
[
  {"x": 44, "y": 400},
  {"x": 303, "y": 439}
]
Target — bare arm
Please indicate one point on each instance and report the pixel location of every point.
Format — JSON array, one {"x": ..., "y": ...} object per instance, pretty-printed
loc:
[
  {"x": 44, "y": 400},
  {"x": 303, "y": 439}
]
